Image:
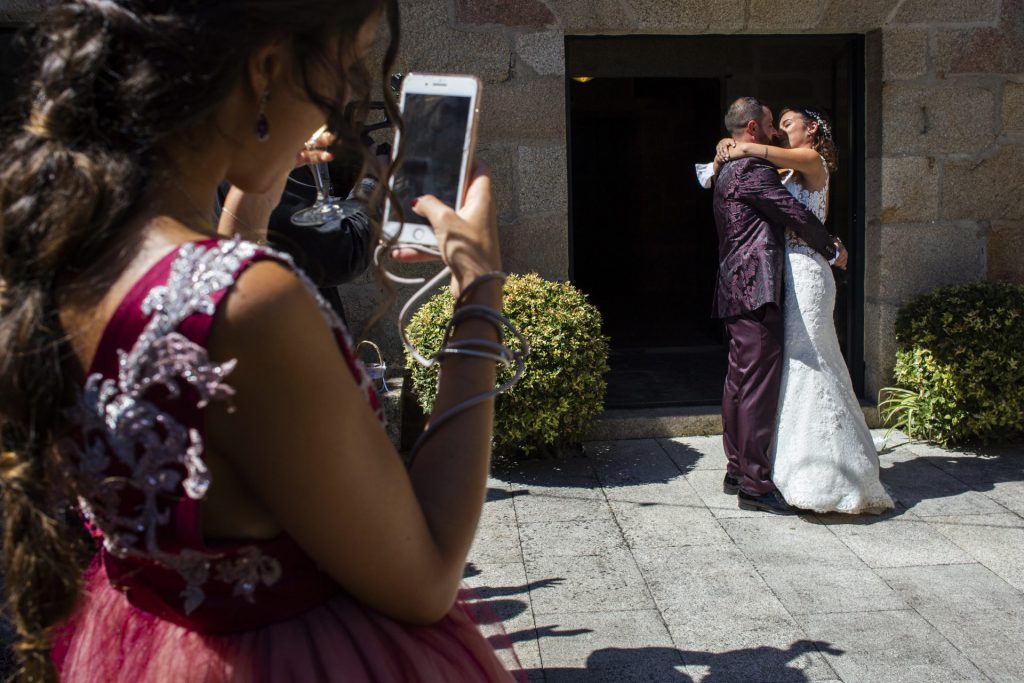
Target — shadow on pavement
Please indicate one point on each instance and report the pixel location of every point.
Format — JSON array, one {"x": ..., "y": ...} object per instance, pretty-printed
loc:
[
  {"x": 622, "y": 665},
  {"x": 490, "y": 592},
  {"x": 923, "y": 478},
  {"x": 602, "y": 464},
  {"x": 494, "y": 494},
  {"x": 541, "y": 632},
  {"x": 685, "y": 457}
]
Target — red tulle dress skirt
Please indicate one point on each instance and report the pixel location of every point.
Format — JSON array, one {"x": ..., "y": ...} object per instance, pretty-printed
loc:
[{"x": 109, "y": 639}]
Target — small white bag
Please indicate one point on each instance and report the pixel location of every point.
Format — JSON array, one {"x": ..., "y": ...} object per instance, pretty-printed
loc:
[{"x": 377, "y": 372}]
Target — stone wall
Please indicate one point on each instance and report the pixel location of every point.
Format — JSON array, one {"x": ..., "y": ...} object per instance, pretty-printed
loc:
[
  {"x": 943, "y": 199},
  {"x": 944, "y": 113},
  {"x": 945, "y": 123}
]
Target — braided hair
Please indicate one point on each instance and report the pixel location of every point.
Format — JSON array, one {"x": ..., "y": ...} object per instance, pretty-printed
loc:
[{"x": 113, "y": 79}]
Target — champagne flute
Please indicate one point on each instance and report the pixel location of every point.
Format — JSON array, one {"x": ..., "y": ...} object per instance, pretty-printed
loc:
[{"x": 327, "y": 207}]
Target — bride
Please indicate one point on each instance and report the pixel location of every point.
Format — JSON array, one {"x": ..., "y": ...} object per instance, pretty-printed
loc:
[{"x": 823, "y": 457}]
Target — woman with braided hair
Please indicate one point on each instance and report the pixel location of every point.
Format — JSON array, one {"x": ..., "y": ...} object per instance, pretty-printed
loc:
[
  {"x": 822, "y": 454},
  {"x": 189, "y": 397}
]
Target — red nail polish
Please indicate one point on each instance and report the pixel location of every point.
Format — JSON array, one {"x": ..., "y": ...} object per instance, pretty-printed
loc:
[{"x": 414, "y": 202}]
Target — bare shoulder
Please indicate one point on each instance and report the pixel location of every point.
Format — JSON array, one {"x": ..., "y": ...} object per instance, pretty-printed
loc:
[
  {"x": 266, "y": 287},
  {"x": 816, "y": 176},
  {"x": 268, "y": 304},
  {"x": 271, "y": 324}
]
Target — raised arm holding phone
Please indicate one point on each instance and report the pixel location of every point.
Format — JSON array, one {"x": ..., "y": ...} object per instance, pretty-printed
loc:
[{"x": 193, "y": 394}]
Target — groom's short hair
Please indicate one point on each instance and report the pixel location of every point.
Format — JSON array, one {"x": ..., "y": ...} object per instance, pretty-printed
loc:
[{"x": 741, "y": 111}]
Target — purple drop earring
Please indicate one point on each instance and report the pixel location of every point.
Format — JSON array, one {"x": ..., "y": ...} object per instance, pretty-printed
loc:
[{"x": 262, "y": 124}]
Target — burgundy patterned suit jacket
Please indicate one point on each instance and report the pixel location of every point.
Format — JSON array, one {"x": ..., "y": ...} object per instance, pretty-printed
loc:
[{"x": 752, "y": 211}]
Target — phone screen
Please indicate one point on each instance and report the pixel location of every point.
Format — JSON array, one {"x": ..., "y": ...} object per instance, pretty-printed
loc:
[{"x": 434, "y": 137}]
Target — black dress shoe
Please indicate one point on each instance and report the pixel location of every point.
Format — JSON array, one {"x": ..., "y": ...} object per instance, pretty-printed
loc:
[
  {"x": 731, "y": 485},
  {"x": 772, "y": 502}
]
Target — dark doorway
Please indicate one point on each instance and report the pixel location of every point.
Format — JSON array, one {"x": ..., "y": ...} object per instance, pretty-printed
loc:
[
  {"x": 642, "y": 111},
  {"x": 641, "y": 239}
]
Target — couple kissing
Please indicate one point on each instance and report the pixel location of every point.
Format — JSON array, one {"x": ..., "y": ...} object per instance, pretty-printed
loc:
[{"x": 793, "y": 431}]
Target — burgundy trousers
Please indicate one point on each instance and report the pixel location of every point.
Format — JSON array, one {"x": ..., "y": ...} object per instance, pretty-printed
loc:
[{"x": 751, "y": 395}]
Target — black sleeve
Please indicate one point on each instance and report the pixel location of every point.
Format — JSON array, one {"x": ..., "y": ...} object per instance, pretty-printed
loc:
[
  {"x": 354, "y": 251},
  {"x": 330, "y": 254}
]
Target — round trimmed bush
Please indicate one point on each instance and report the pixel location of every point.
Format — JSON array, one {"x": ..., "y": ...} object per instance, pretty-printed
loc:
[
  {"x": 564, "y": 384},
  {"x": 959, "y": 365}
]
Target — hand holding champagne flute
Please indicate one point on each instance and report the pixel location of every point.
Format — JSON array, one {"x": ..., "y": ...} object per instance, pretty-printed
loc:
[{"x": 327, "y": 207}]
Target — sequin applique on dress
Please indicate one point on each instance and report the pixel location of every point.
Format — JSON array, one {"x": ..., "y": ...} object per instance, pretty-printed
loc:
[{"x": 136, "y": 459}]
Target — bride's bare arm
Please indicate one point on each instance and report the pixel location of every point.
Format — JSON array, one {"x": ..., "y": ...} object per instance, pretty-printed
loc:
[{"x": 803, "y": 159}]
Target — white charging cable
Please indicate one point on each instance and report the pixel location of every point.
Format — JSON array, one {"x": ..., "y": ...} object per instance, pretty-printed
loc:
[{"x": 477, "y": 348}]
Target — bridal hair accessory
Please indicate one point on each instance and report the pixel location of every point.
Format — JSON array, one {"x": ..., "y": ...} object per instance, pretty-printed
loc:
[
  {"x": 262, "y": 124},
  {"x": 820, "y": 120}
]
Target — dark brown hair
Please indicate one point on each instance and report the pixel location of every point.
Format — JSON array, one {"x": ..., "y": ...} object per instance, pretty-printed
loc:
[
  {"x": 822, "y": 142},
  {"x": 742, "y": 111},
  {"x": 113, "y": 79}
]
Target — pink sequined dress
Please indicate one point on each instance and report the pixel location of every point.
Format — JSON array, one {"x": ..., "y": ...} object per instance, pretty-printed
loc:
[{"x": 162, "y": 604}]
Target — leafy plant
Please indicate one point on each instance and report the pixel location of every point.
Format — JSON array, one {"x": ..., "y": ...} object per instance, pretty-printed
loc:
[
  {"x": 563, "y": 387},
  {"x": 959, "y": 366}
]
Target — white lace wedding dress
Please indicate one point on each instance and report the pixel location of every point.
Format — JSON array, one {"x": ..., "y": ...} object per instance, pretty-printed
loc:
[{"x": 823, "y": 456}]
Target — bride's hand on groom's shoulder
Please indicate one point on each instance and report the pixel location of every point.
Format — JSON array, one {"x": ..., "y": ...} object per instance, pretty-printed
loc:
[{"x": 722, "y": 149}]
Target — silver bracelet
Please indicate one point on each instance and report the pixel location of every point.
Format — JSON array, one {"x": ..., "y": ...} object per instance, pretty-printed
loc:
[
  {"x": 450, "y": 351},
  {"x": 477, "y": 281},
  {"x": 480, "y": 311},
  {"x": 485, "y": 349}
]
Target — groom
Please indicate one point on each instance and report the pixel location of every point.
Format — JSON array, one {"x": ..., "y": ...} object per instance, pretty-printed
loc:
[{"x": 752, "y": 210}]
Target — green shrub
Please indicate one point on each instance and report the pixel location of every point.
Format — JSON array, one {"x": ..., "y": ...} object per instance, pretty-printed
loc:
[
  {"x": 563, "y": 388},
  {"x": 959, "y": 365}
]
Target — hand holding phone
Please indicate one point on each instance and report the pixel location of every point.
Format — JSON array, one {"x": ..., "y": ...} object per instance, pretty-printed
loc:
[
  {"x": 440, "y": 114},
  {"x": 468, "y": 237}
]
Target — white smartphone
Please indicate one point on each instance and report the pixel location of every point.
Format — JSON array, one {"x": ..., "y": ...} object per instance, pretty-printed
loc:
[{"x": 440, "y": 112}]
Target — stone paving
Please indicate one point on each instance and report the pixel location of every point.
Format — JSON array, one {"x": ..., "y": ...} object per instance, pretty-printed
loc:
[{"x": 628, "y": 563}]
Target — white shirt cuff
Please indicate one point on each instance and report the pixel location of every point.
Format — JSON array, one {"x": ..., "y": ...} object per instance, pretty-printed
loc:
[{"x": 705, "y": 172}]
